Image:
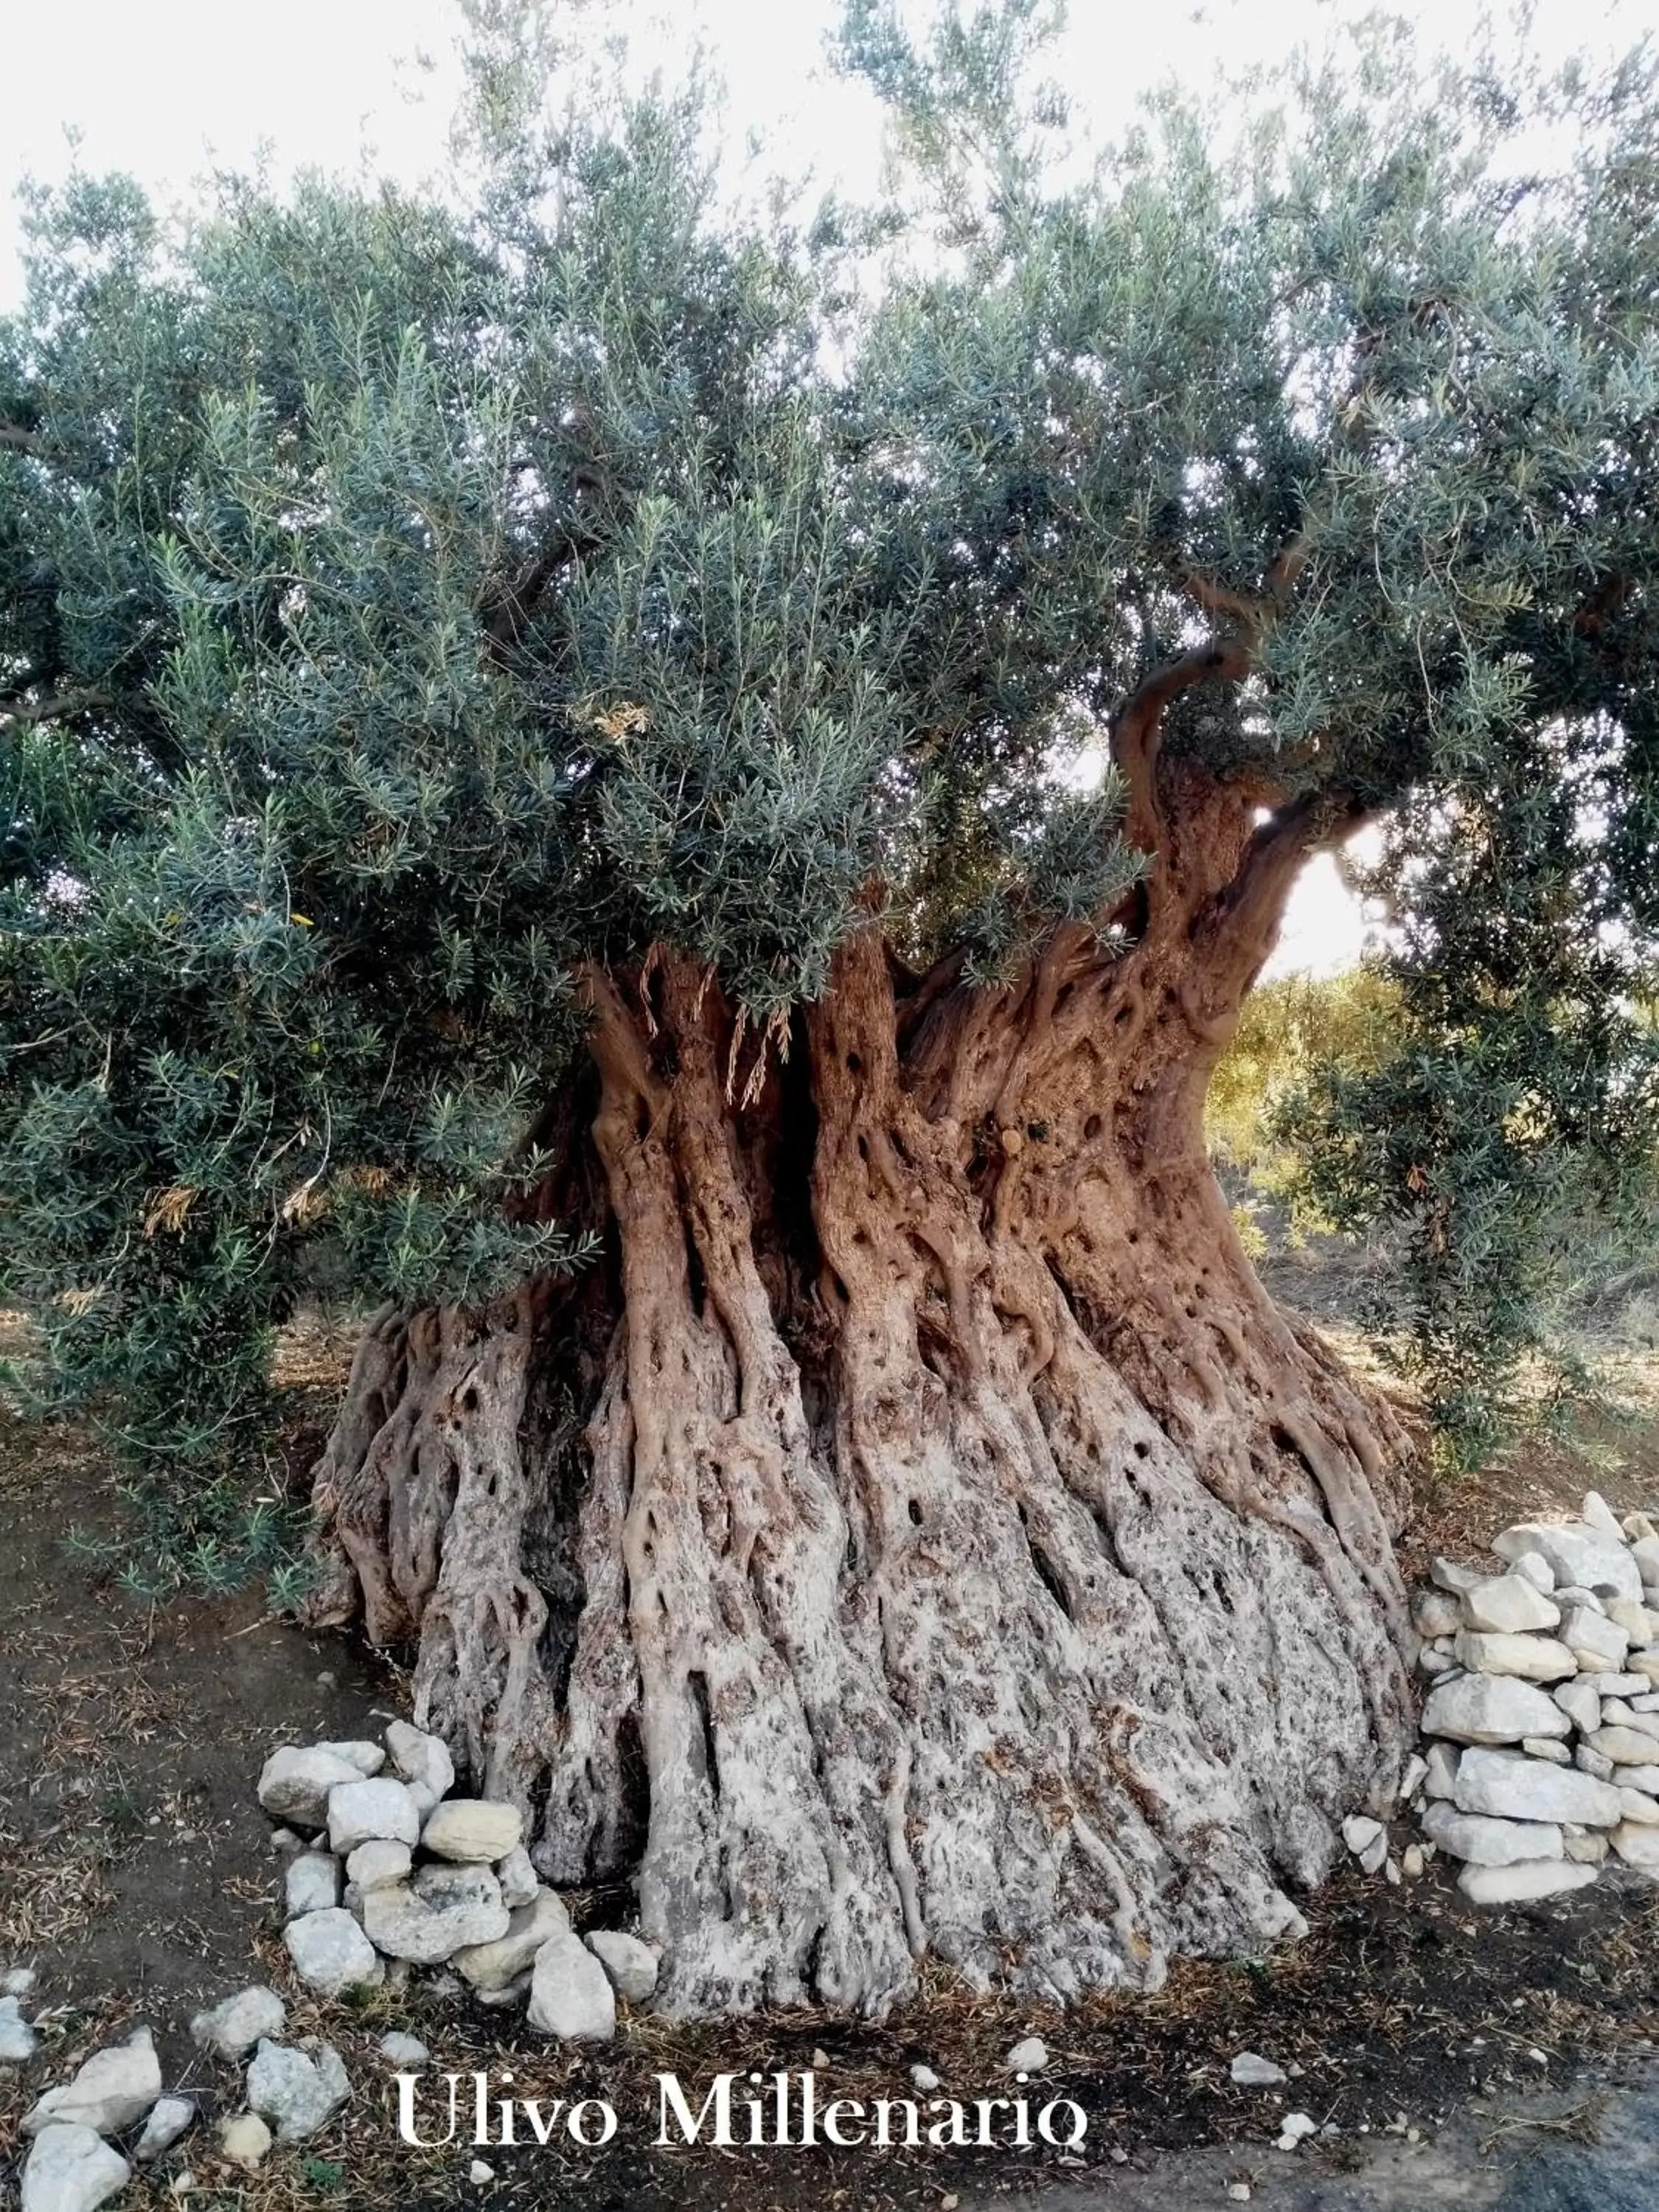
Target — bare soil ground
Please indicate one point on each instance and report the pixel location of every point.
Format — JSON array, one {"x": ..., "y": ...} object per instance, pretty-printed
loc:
[{"x": 136, "y": 1873}]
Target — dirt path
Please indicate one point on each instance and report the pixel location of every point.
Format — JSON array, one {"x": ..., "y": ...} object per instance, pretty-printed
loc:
[{"x": 1594, "y": 2148}]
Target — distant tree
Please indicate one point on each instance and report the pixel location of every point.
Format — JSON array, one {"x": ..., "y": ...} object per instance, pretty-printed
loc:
[{"x": 539, "y": 762}]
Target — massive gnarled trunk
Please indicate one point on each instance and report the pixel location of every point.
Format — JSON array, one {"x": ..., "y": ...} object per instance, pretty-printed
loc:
[{"x": 921, "y": 1536}]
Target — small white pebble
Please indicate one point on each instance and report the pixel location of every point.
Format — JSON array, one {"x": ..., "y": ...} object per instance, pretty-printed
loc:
[
  {"x": 1029, "y": 2056},
  {"x": 478, "y": 2173},
  {"x": 1537, "y": 2057},
  {"x": 924, "y": 2078},
  {"x": 820, "y": 2057},
  {"x": 1239, "y": 2191}
]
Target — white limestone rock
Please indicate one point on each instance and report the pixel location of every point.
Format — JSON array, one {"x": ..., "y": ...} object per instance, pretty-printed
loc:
[
  {"x": 441, "y": 1911},
  {"x": 1627, "y": 1685},
  {"x": 493, "y": 1965},
  {"x": 18, "y": 2040},
  {"x": 570, "y": 1993},
  {"x": 1578, "y": 1555},
  {"x": 1569, "y": 1595},
  {"x": 520, "y": 1883},
  {"x": 1533, "y": 1567},
  {"x": 1591, "y": 1762},
  {"x": 381, "y": 1811},
  {"x": 231, "y": 2028},
  {"x": 1533, "y": 1658},
  {"x": 332, "y": 1954},
  {"x": 1638, "y": 1622},
  {"x": 1250, "y": 2070},
  {"x": 1596, "y": 1513},
  {"x": 1360, "y": 1832},
  {"x": 407, "y": 2052},
  {"x": 1644, "y": 1557},
  {"x": 17, "y": 1981},
  {"x": 295, "y": 1784},
  {"x": 170, "y": 2117},
  {"x": 1516, "y": 1885},
  {"x": 110, "y": 2093},
  {"x": 423, "y": 1760},
  {"x": 1441, "y": 1780},
  {"x": 296, "y": 2092},
  {"x": 71, "y": 2168},
  {"x": 630, "y": 1963},
  {"x": 376, "y": 1865},
  {"x": 1449, "y": 1574},
  {"x": 368, "y": 1757},
  {"x": 1616, "y": 1713},
  {"x": 311, "y": 1883},
  {"x": 1639, "y": 1807},
  {"x": 1489, "y": 1709},
  {"x": 1436, "y": 1612},
  {"x": 1596, "y": 1642},
  {"x": 244, "y": 2141},
  {"x": 1508, "y": 1605},
  {"x": 1625, "y": 1747},
  {"x": 1636, "y": 1843},
  {"x": 1541, "y": 1746},
  {"x": 1644, "y": 1778},
  {"x": 472, "y": 1832},
  {"x": 1579, "y": 1702},
  {"x": 1481, "y": 1840},
  {"x": 1584, "y": 1846},
  {"x": 1413, "y": 1774},
  {"x": 1518, "y": 1789}
]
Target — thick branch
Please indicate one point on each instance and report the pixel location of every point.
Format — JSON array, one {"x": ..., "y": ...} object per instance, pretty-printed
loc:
[
  {"x": 1243, "y": 921},
  {"x": 1137, "y": 728},
  {"x": 53, "y": 707}
]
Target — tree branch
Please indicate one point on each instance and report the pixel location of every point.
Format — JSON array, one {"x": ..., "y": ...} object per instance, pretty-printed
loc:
[
  {"x": 56, "y": 707},
  {"x": 1136, "y": 729},
  {"x": 1243, "y": 921}
]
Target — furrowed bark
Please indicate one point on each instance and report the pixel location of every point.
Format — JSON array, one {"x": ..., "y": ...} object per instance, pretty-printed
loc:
[{"x": 960, "y": 1556}]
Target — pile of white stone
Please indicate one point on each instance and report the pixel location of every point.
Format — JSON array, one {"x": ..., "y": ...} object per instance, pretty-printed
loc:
[
  {"x": 75, "y": 2163},
  {"x": 394, "y": 1873},
  {"x": 1541, "y": 1727},
  {"x": 385, "y": 1872}
]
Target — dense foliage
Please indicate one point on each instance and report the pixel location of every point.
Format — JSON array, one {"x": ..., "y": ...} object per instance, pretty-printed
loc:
[{"x": 406, "y": 602}]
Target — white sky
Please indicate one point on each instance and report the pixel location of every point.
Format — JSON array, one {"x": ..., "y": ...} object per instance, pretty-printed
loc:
[{"x": 169, "y": 89}]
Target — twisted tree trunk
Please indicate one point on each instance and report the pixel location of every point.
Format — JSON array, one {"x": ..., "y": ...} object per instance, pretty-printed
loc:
[{"x": 923, "y": 1535}]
